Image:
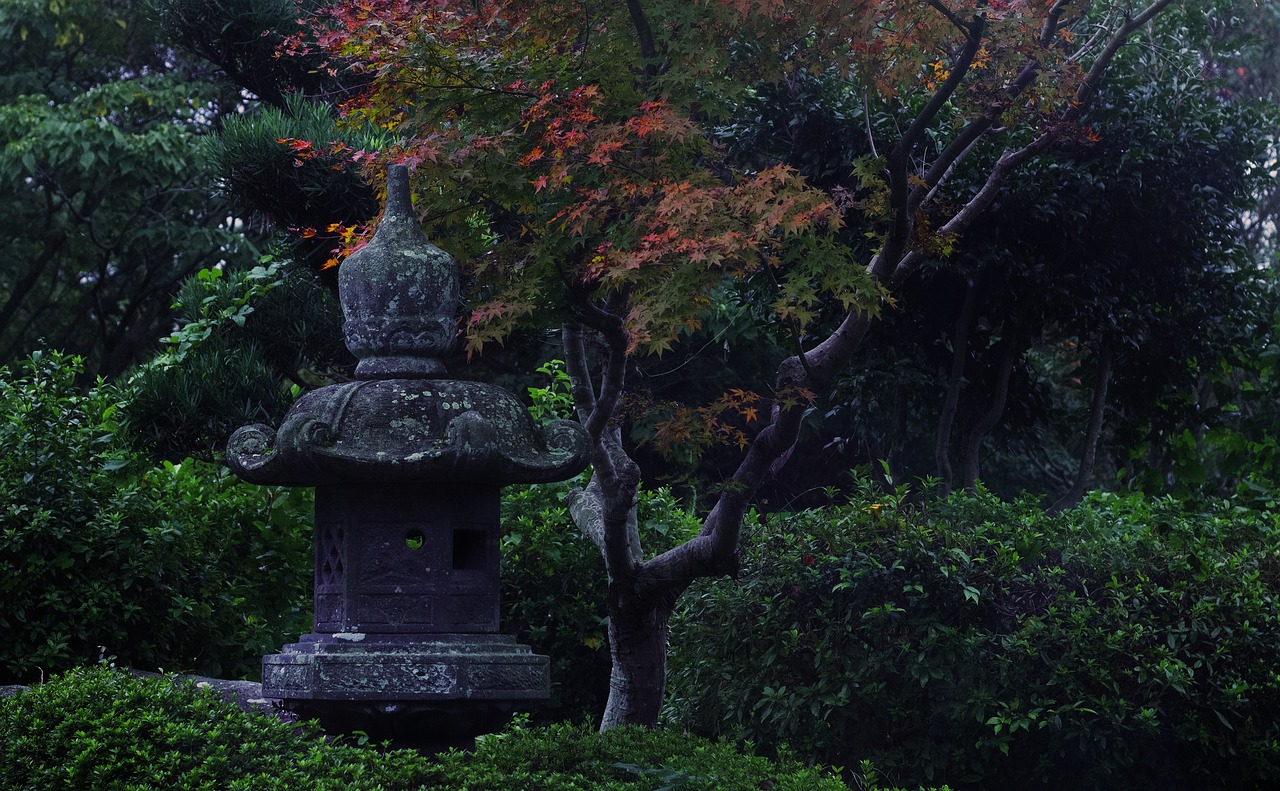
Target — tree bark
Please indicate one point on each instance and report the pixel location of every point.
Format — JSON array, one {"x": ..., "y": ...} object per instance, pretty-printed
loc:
[
  {"x": 1089, "y": 451},
  {"x": 959, "y": 354},
  {"x": 989, "y": 419},
  {"x": 638, "y": 638}
]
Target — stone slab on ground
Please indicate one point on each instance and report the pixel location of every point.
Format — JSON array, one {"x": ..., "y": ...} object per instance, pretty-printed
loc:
[{"x": 245, "y": 694}]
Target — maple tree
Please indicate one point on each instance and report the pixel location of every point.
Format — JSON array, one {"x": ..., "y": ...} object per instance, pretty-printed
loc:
[{"x": 565, "y": 152}]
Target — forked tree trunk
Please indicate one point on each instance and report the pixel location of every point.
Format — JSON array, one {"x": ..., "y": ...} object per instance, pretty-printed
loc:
[{"x": 605, "y": 510}]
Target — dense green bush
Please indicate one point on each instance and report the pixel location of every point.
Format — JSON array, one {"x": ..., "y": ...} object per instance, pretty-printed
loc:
[
  {"x": 576, "y": 757},
  {"x": 175, "y": 566},
  {"x": 97, "y": 728},
  {"x": 1125, "y": 644},
  {"x": 554, "y": 588},
  {"x": 245, "y": 339}
]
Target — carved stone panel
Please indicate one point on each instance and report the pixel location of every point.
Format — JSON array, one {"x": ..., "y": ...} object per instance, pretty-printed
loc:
[{"x": 407, "y": 559}]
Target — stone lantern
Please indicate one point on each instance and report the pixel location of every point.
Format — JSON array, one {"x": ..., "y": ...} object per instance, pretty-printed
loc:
[{"x": 407, "y": 467}]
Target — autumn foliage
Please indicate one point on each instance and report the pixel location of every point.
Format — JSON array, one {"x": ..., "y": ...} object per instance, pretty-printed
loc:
[
  {"x": 571, "y": 155},
  {"x": 556, "y": 163}
]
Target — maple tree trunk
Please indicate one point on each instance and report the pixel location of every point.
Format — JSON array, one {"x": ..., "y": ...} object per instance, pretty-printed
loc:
[
  {"x": 638, "y": 639},
  {"x": 643, "y": 593},
  {"x": 1089, "y": 451}
]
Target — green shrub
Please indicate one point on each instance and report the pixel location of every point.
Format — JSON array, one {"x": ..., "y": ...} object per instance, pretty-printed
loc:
[
  {"x": 554, "y": 589},
  {"x": 566, "y": 757},
  {"x": 177, "y": 566},
  {"x": 553, "y": 594},
  {"x": 245, "y": 339},
  {"x": 97, "y": 728},
  {"x": 1124, "y": 644}
]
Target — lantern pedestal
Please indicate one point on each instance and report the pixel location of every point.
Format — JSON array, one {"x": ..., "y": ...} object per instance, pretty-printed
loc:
[{"x": 443, "y": 688}]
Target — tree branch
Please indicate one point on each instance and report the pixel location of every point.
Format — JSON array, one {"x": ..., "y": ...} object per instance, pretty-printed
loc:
[
  {"x": 1090, "y": 83},
  {"x": 1050, "y": 27},
  {"x": 899, "y": 159},
  {"x": 950, "y": 15},
  {"x": 712, "y": 550},
  {"x": 644, "y": 35},
  {"x": 973, "y": 443},
  {"x": 610, "y": 524},
  {"x": 1009, "y": 160},
  {"x": 613, "y": 375},
  {"x": 959, "y": 356},
  {"x": 959, "y": 68},
  {"x": 606, "y": 510},
  {"x": 1089, "y": 450},
  {"x": 963, "y": 143},
  {"x": 20, "y": 291},
  {"x": 575, "y": 362}
]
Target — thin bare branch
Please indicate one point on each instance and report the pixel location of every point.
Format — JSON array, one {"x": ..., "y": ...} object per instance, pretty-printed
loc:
[
  {"x": 866, "y": 116},
  {"x": 959, "y": 68},
  {"x": 1006, "y": 164},
  {"x": 1089, "y": 45},
  {"x": 1091, "y": 80},
  {"x": 963, "y": 143},
  {"x": 1012, "y": 159},
  {"x": 613, "y": 373},
  {"x": 899, "y": 159},
  {"x": 938, "y": 181}
]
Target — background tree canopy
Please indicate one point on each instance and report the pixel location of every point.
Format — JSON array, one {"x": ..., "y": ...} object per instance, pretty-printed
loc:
[{"x": 106, "y": 207}]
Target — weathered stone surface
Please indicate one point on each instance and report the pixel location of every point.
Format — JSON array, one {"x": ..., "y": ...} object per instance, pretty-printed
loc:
[
  {"x": 406, "y": 559},
  {"x": 399, "y": 295},
  {"x": 445, "y": 667},
  {"x": 402, "y": 421},
  {"x": 408, "y": 430}
]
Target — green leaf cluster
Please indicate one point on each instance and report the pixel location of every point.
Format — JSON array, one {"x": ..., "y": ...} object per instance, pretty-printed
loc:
[
  {"x": 100, "y": 728},
  {"x": 267, "y": 177},
  {"x": 1128, "y": 643},
  {"x": 575, "y": 758},
  {"x": 106, "y": 204},
  {"x": 101, "y": 553},
  {"x": 248, "y": 340}
]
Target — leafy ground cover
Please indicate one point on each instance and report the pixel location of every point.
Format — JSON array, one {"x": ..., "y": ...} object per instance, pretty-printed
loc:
[{"x": 99, "y": 728}]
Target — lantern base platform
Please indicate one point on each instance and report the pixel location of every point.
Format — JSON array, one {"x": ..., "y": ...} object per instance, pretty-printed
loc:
[{"x": 432, "y": 690}]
